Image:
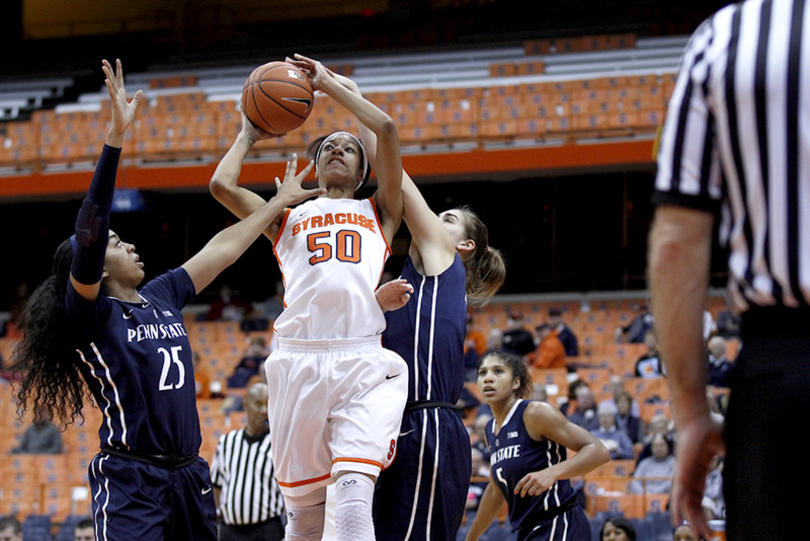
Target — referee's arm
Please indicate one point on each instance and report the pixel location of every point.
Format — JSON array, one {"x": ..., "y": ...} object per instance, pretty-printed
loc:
[{"x": 679, "y": 262}]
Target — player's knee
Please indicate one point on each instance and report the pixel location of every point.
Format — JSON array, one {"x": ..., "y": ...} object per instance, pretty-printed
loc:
[
  {"x": 304, "y": 523},
  {"x": 354, "y": 486}
]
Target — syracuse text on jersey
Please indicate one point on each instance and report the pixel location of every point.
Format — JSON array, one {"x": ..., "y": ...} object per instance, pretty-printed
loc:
[{"x": 328, "y": 219}]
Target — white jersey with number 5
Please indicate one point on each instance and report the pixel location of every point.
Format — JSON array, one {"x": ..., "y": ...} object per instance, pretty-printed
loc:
[{"x": 331, "y": 253}]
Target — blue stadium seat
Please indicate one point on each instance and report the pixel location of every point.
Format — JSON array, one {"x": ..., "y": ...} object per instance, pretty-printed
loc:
[
  {"x": 67, "y": 528},
  {"x": 37, "y": 528}
]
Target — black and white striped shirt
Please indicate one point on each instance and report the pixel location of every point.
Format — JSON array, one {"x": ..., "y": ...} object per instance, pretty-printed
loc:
[
  {"x": 737, "y": 142},
  {"x": 243, "y": 470}
]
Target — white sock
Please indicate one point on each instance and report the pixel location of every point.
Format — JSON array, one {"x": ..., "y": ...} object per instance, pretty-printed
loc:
[{"x": 354, "y": 493}]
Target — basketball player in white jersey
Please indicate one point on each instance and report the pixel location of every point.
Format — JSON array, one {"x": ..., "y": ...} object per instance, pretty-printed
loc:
[{"x": 336, "y": 396}]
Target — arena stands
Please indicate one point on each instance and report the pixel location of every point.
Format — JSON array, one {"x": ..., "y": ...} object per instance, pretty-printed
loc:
[{"x": 546, "y": 92}]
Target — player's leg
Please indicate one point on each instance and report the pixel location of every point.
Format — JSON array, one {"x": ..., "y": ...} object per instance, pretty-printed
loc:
[
  {"x": 194, "y": 514},
  {"x": 305, "y": 515},
  {"x": 130, "y": 500},
  {"x": 572, "y": 525},
  {"x": 354, "y": 496},
  {"x": 369, "y": 389}
]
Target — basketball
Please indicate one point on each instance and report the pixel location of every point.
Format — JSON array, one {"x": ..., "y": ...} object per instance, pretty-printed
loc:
[{"x": 277, "y": 97}]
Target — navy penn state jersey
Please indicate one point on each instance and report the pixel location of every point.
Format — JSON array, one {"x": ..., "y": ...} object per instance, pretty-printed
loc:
[
  {"x": 136, "y": 360},
  {"x": 514, "y": 455},
  {"x": 428, "y": 332}
]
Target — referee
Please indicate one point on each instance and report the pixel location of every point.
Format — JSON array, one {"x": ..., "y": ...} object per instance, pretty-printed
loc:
[
  {"x": 735, "y": 150},
  {"x": 248, "y": 497}
]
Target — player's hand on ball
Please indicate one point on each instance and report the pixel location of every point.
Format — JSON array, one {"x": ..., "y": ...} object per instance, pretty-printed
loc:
[
  {"x": 252, "y": 133},
  {"x": 291, "y": 187},
  {"x": 317, "y": 73},
  {"x": 394, "y": 295}
]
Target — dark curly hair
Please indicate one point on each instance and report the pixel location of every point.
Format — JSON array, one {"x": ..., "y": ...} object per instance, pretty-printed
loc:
[
  {"x": 43, "y": 359},
  {"x": 518, "y": 367}
]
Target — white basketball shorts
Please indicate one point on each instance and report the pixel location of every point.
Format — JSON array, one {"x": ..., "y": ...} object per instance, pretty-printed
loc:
[{"x": 333, "y": 405}]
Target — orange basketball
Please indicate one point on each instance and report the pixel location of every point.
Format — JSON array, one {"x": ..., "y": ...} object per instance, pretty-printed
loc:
[{"x": 277, "y": 97}]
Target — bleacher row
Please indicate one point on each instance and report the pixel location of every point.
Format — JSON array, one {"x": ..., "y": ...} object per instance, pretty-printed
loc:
[
  {"x": 189, "y": 126},
  {"x": 57, "y": 485},
  {"x": 512, "y": 98}
]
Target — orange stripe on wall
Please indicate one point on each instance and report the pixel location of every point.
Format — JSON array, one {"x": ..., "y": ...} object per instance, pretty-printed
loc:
[{"x": 476, "y": 162}]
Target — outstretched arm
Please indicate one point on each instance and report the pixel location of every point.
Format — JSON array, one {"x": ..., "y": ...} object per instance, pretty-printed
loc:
[
  {"x": 229, "y": 244},
  {"x": 389, "y": 161},
  {"x": 432, "y": 248},
  {"x": 93, "y": 221}
]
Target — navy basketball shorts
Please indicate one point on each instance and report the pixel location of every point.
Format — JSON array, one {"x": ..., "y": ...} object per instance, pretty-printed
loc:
[
  {"x": 572, "y": 525},
  {"x": 134, "y": 500},
  {"x": 421, "y": 496}
]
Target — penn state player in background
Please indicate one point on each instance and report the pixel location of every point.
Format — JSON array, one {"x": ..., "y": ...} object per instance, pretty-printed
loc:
[
  {"x": 422, "y": 495},
  {"x": 528, "y": 441},
  {"x": 88, "y": 328}
]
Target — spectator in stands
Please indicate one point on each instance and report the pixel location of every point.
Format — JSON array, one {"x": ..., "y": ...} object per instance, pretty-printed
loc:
[
  {"x": 626, "y": 420},
  {"x": 475, "y": 338},
  {"x": 728, "y": 324},
  {"x": 564, "y": 332},
  {"x": 473, "y": 342},
  {"x": 255, "y": 353},
  {"x": 228, "y": 306},
  {"x": 10, "y": 529},
  {"x": 659, "y": 424},
  {"x": 719, "y": 365},
  {"x": 539, "y": 392},
  {"x": 617, "y": 387},
  {"x": 494, "y": 341},
  {"x": 714, "y": 502},
  {"x": 571, "y": 404},
  {"x": 202, "y": 379},
  {"x": 550, "y": 352},
  {"x": 635, "y": 331},
  {"x": 517, "y": 340},
  {"x": 479, "y": 438},
  {"x": 481, "y": 470},
  {"x": 653, "y": 474},
  {"x": 685, "y": 532},
  {"x": 272, "y": 307},
  {"x": 616, "y": 441},
  {"x": 617, "y": 529},
  {"x": 585, "y": 414},
  {"x": 649, "y": 365},
  {"x": 42, "y": 437},
  {"x": 84, "y": 531}
]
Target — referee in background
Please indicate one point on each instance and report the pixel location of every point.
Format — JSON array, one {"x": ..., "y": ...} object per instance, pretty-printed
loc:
[
  {"x": 248, "y": 498},
  {"x": 735, "y": 149}
]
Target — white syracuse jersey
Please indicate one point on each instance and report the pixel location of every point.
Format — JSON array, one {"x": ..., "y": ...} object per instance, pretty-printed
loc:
[{"x": 331, "y": 253}]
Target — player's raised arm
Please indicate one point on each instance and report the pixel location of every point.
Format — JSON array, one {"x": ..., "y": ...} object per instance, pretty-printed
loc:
[
  {"x": 224, "y": 184},
  {"x": 93, "y": 221},
  {"x": 388, "y": 158},
  {"x": 229, "y": 244},
  {"x": 435, "y": 249}
]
